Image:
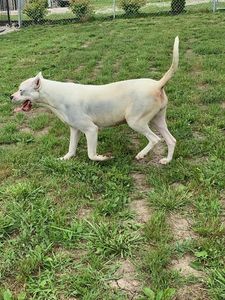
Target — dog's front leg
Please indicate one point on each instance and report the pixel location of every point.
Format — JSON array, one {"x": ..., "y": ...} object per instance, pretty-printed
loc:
[
  {"x": 92, "y": 136},
  {"x": 74, "y": 139}
]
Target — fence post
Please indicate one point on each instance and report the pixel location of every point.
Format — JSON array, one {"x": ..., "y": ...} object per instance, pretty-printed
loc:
[
  {"x": 8, "y": 13},
  {"x": 114, "y": 9},
  {"x": 214, "y": 5},
  {"x": 19, "y": 9}
]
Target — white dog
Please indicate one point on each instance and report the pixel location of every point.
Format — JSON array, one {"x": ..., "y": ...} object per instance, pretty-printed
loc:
[{"x": 85, "y": 108}]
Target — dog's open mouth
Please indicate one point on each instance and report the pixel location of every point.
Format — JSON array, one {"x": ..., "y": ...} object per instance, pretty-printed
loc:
[{"x": 26, "y": 106}]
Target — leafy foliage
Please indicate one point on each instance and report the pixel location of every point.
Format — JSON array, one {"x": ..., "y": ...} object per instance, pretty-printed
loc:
[
  {"x": 81, "y": 8},
  {"x": 131, "y": 7},
  {"x": 36, "y": 10}
]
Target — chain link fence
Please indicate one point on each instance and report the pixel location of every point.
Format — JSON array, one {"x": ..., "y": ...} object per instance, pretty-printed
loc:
[
  {"x": 27, "y": 12},
  {"x": 4, "y": 13}
]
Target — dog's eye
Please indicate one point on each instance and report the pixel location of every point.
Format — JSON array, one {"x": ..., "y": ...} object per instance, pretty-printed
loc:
[{"x": 21, "y": 92}]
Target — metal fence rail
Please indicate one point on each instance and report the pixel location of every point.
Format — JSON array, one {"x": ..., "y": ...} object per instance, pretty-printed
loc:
[{"x": 53, "y": 11}]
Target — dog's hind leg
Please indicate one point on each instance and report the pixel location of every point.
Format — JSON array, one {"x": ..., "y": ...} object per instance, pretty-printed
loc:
[
  {"x": 159, "y": 123},
  {"x": 74, "y": 139},
  {"x": 92, "y": 136},
  {"x": 145, "y": 130}
]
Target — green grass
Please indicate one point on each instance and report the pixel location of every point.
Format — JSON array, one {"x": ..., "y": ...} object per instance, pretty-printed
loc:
[{"x": 65, "y": 226}]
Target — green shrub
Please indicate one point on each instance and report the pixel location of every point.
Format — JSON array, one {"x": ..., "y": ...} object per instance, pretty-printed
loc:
[
  {"x": 81, "y": 8},
  {"x": 131, "y": 7},
  {"x": 36, "y": 10},
  {"x": 177, "y": 6}
]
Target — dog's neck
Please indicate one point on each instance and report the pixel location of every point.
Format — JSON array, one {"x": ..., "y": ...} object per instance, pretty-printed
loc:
[
  {"x": 48, "y": 93},
  {"x": 51, "y": 95}
]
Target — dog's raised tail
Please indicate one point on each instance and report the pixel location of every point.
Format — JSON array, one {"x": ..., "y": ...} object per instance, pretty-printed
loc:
[{"x": 173, "y": 66}]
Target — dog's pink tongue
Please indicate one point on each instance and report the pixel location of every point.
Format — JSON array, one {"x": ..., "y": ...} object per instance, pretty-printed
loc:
[{"x": 26, "y": 106}]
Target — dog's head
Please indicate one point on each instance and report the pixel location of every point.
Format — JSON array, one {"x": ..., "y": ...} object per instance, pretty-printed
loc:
[{"x": 28, "y": 93}]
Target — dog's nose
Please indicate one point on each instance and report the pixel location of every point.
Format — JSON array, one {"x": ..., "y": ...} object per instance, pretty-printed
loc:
[{"x": 11, "y": 97}]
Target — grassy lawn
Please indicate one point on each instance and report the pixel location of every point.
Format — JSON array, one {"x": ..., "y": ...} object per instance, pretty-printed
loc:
[{"x": 119, "y": 229}]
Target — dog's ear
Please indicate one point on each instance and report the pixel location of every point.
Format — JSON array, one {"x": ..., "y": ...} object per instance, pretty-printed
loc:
[
  {"x": 40, "y": 75},
  {"x": 37, "y": 80}
]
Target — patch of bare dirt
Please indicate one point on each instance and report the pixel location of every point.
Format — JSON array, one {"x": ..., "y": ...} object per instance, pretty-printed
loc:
[
  {"x": 189, "y": 53},
  {"x": 181, "y": 227},
  {"x": 135, "y": 140},
  {"x": 198, "y": 135},
  {"x": 192, "y": 292},
  {"x": 15, "y": 286},
  {"x": 126, "y": 280},
  {"x": 222, "y": 195},
  {"x": 26, "y": 130},
  {"x": 153, "y": 69},
  {"x": 7, "y": 146},
  {"x": 27, "y": 61},
  {"x": 87, "y": 44},
  {"x": 203, "y": 86},
  {"x": 197, "y": 71},
  {"x": 75, "y": 254},
  {"x": 198, "y": 160},
  {"x": 97, "y": 69},
  {"x": 192, "y": 40},
  {"x": 222, "y": 200},
  {"x": 182, "y": 265},
  {"x": 84, "y": 212},
  {"x": 197, "y": 66},
  {"x": 140, "y": 182},
  {"x": 78, "y": 69},
  {"x": 141, "y": 210},
  {"x": 223, "y": 105},
  {"x": 42, "y": 132},
  {"x": 203, "y": 107},
  {"x": 177, "y": 185},
  {"x": 37, "y": 111},
  {"x": 139, "y": 206},
  {"x": 5, "y": 172},
  {"x": 158, "y": 152},
  {"x": 63, "y": 297},
  {"x": 116, "y": 66},
  {"x": 38, "y": 133},
  {"x": 154, "y": 72}
]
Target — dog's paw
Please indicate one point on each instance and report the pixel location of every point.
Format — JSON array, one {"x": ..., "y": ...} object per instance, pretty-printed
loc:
[
  {"x": 101, "y": 158},
  {"x": 164, "y": 161},
  {"x": 66, "y": 157},
  {"x": 139, "y": 156}
]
